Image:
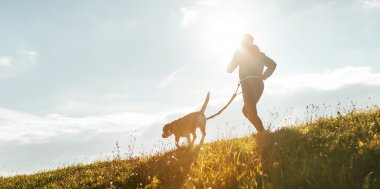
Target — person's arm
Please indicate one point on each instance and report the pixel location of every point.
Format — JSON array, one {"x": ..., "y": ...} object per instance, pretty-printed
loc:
[
  {"x": 271, "y": 66},
  {"x": 233, "y": 64}
]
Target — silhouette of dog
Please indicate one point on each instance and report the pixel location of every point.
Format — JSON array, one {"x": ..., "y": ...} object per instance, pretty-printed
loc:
[{"x": 187, "y": 125}]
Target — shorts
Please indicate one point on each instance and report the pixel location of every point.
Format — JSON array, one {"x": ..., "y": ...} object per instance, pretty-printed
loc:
[{"x": 252, "y": 89}]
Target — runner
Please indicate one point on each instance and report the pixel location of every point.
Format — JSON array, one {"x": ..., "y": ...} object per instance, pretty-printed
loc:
[{"x": 251, "y": 62}]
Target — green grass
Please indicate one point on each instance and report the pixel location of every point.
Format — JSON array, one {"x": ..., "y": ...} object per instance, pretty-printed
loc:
[{"x": 335, "y": 152}]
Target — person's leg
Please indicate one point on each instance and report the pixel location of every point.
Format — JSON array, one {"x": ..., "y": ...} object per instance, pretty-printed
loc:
[
  {"x": 250, "y": 112},
  {"x": 252, "y": 91},
  {"x": 255, "y": 119}
]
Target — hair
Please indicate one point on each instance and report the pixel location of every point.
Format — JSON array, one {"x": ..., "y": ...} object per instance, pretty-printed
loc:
[{"x": 247, "y": 39}]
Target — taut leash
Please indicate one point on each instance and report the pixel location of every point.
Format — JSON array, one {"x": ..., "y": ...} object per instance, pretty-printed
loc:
[{"x": 229, "y": 102}]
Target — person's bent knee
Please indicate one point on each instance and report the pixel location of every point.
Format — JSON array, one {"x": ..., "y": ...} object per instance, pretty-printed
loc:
[
  {"x": 249, "y": 112},
  {"x": 254, "y": 114}
]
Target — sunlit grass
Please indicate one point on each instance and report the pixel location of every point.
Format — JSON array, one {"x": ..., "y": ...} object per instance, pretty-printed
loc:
[{"x": 330, "y": 152}]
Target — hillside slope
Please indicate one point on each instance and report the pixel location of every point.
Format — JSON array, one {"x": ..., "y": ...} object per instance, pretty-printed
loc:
[{"x": 340, "y": 152}]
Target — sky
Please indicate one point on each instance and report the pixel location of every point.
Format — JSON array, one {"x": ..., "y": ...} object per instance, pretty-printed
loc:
[{"x": 78, "y": 76}]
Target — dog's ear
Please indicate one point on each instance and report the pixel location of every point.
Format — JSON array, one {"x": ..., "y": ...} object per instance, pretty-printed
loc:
[{"x": 166, "y": 127}]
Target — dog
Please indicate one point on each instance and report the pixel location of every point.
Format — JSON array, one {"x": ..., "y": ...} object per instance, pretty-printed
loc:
[{"x": 187, "y": 125}]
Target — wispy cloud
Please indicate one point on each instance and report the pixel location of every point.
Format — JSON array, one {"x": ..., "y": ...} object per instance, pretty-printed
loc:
[
  {"x": 169, "y": 79},
  {"x": 207, "y": 2},
  {"x": 30, "y": 55},
  {"x": 17, "y": 62},
  {"x": 373, "y": 4},
  {"x": 329, "y": 80},
  {"x": 25, "y": 128},
  {"x": 191, "y": 14},
  {"x": 6, "y": 61}
]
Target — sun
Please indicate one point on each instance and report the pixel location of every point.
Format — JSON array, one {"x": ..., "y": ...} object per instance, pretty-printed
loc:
[
  {"x": 220, "y": 34},
  {"x": 216, "y": 31},
  {"x": 224, "y": 33}
]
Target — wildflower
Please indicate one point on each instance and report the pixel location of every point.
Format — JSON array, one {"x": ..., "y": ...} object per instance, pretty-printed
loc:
[
  {"x": 360, "y": 143},
  {"x": 275, "y": 164}
]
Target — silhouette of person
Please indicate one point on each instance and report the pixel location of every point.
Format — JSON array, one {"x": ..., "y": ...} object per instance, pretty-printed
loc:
[{"x": 251, "y": 62}]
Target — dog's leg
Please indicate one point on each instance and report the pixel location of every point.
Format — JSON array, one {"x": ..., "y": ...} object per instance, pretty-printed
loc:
[
  {"x": 188, "y": 140},
  {"x": 194, "y": 137},
  {"x": 203, "y": 130},
  {"x": 202, "y": 127},
  {"x": 176, "y": 141}
]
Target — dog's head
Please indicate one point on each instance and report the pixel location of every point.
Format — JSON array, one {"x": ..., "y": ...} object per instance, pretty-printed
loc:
[{"x": 167, "y": 130}]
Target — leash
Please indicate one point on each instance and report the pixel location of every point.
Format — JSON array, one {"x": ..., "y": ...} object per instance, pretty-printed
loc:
[{"x": 229, "y": 102}]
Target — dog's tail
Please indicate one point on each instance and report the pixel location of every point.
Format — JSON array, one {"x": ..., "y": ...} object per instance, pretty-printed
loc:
[{"x": 205, "y": 103}]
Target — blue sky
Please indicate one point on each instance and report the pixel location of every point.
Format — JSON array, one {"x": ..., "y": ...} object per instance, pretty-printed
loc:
[{"x": 77, "y": 76}]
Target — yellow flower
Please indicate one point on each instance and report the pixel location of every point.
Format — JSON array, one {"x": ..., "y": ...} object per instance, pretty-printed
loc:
[{"x": 360, "y": 143}]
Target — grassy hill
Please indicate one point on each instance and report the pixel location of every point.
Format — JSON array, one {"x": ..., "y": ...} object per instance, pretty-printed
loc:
[{"x": 339, "y": 152}]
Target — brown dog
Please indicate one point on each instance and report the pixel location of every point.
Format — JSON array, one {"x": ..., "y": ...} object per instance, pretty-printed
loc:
[{"x": 187, "y": 125}]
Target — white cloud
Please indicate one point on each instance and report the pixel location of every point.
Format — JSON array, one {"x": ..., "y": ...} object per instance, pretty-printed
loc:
[
  {"x": 27, "y": 128},
  {"x": 329, "y": 80},
  {"x": 373, "y": 4},
  {"x": 6, "y": 61},
  {"x": 169, "y": 79},
  {"x": 17, "y": 63},
  {"x": 30, "y": 55},
  {"x": 206, "y": 2},
  {"x": 189, "y": 16}
]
